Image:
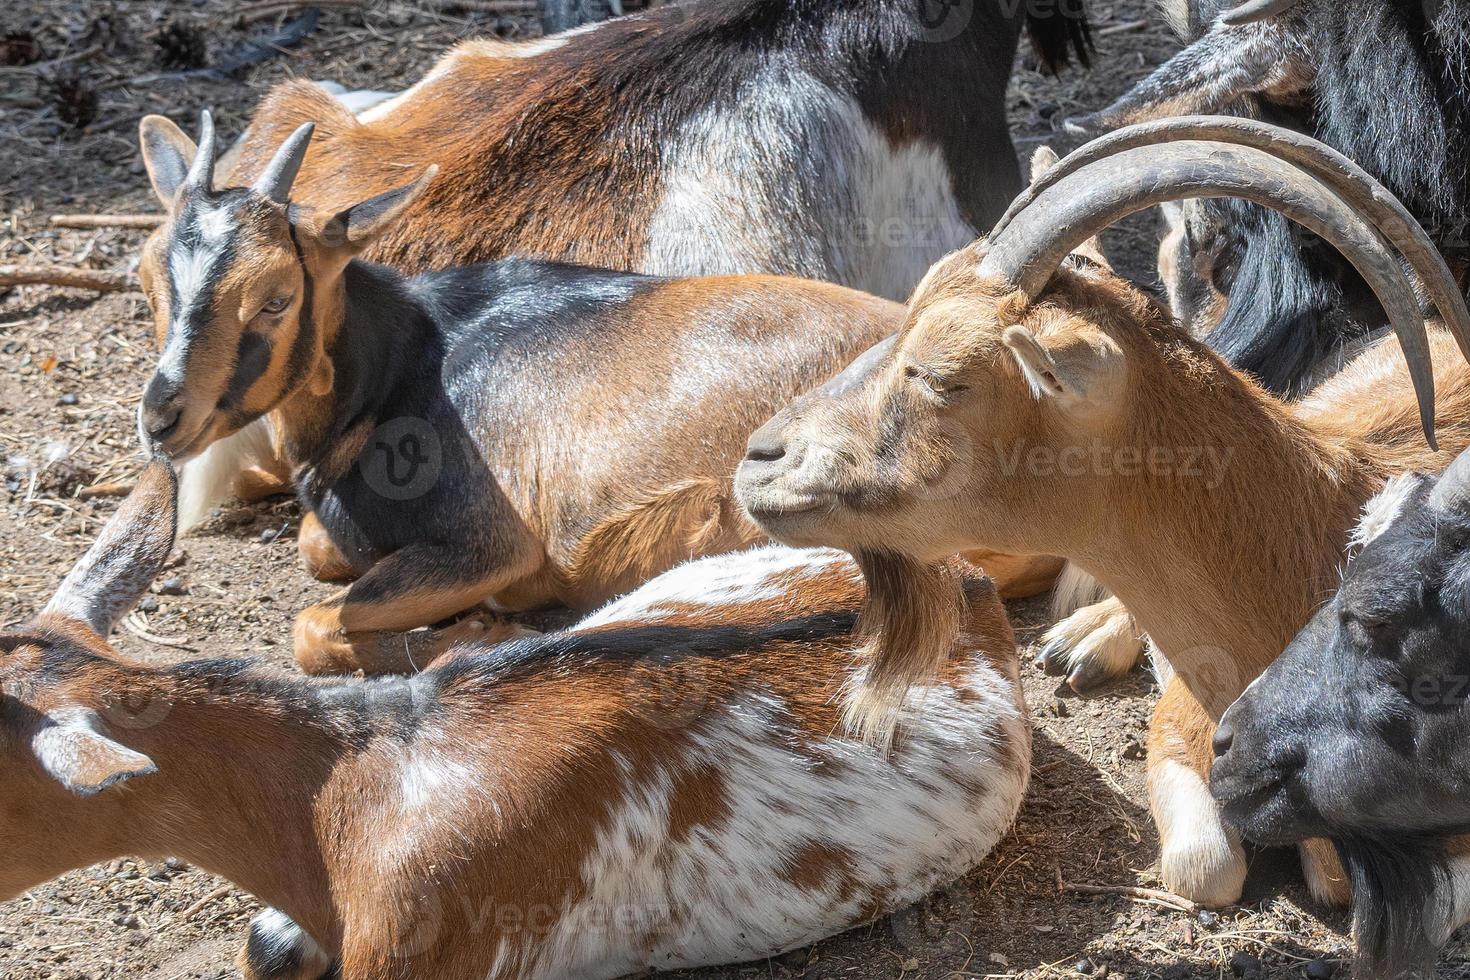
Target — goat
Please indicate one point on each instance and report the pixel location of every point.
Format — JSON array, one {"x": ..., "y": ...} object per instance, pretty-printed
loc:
[
  {"x": 469, "y": 434},
  {"x": 1041, "y": 406},
  {"x": 1357, "y": 731},
  {"x": 849, "y": 141},
  {"x": 660, "y": 786},
  {"x": 1386, "y": 84}
]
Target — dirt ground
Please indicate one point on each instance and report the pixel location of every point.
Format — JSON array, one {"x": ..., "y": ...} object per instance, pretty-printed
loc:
[{"x": 72, "y": 365}]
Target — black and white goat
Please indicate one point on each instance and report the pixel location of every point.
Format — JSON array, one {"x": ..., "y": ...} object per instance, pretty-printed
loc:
[{"x": 1360, "y": 731}]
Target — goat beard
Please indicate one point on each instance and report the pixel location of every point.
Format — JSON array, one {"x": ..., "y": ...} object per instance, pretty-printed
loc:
[
  {"x": 910, "y": 623},
  {"x": 1395, "y": 889}
]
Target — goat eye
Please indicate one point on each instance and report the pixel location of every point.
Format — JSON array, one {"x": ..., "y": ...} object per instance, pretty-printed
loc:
[
  {"x": 933, "y": 383},
  {"x": 276, "y": 305}
]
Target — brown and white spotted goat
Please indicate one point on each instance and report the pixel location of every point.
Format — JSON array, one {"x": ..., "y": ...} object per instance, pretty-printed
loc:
[
  {"x": 1041, "y": 407},
  {"x": 661, "y": 786}
]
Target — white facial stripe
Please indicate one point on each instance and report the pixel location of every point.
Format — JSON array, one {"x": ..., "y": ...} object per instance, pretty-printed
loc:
[{"x": 192, "y": 270}]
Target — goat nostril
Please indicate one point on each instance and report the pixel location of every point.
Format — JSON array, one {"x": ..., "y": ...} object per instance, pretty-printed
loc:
[
  {"x": 764, "y": 452},
  {"x": 162, "y": 420},
  {"x": 1224, "y": 737}
]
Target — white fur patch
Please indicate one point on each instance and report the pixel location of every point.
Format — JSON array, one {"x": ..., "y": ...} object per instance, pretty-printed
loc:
[
  {"x": 275, "y": 941},
  {"x": 754, "y": 575},
  {"x": 207, "y": 480},
  {"x": 1201, "y": 859},
  {"x": 723, "y": 893},
  {"x": 871, "y": 215},
  {"x": 1380, "y": 512}
]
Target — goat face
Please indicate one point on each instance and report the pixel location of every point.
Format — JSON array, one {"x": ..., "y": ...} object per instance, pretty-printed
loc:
[
  {"x": 928, "y": 438},
  {"x": 244, "y": 289},
  {"x": 1358, "y": 730}
]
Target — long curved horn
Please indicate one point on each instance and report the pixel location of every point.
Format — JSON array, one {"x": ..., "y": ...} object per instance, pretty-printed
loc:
[
  {"x": 201, "y": 171},
  {"x": 276, "y": 179},
  {"x": 1351, "y": 182},
  {"x": 1254, "y": 10},
  {"x": 1081, "y": 204},
  {"x": 1452, "y": 492}
]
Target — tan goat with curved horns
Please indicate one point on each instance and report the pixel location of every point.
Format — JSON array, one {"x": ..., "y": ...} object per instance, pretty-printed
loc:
[{"x": 1215, "y": 512}]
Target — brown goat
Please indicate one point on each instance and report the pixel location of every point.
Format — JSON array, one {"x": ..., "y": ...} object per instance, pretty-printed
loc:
[
  {"x": 1038, "y": 409},
  {"x": 660, "y": 786},
  {"x": 521, "y": 431}
]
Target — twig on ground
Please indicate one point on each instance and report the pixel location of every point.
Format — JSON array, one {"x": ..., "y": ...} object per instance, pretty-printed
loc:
[
  {"x": 194, "y": 909},
  {"x": 1134, "y": 892},
  {"x": 64, "y": 275},
  {"x": 104, "y": 490},
  {"x": 106, "y": 220},
  {"x": 133, "y": 626}
]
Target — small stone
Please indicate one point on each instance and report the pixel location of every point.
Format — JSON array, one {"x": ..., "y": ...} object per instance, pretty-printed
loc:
[
  {"x": 70, "y": 398},
  {"x": 148, "y": 604},
  {"x": 1208, "y": 919},
  {"x": 172, "y": 586},
  {"x": 127, "y": 921},
  {"x": 1243, "y": 964},
  {"x": 1085, "y": 967},
  {"x": 999, "y": 959},
  {"x": 1321, "y": 969}
]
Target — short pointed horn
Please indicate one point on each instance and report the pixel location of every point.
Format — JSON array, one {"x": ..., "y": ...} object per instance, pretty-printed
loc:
[
  {"x": 1351, "y": 182},
  {"x": 1451, "y": 493},
  {"x": 276, "y": 179},
  {"x": 201, "y": 171},
  {"x": 1254, "y": 10},
  {"x": 1079, "y": 205}
]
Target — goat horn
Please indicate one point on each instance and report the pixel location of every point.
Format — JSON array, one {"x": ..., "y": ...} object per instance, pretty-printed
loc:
[
  {"x": 1083, "y": 202},
  {"x": 1452, "y": 492},
  {"x": 1254, "y": 10},
  {"x": 201, "y": 171},
  {"x": 1351, "y": 182},
  {"x": 276, "y": 179}
]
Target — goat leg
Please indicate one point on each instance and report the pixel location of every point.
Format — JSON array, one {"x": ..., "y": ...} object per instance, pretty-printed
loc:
[{"x": 366, "y": 626}]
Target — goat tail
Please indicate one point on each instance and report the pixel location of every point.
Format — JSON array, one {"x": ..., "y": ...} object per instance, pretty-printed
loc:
[
  {"x": 1397, "y": 890},
  {"x": 1074, "y": 590},
  {"x": 910, "y": 623},
  {"x": 1059, "y": 30}
]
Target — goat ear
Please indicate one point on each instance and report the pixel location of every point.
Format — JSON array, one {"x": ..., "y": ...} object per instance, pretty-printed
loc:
[
  {"x": 1073, "y": 375},
  {"x": 353, "y": 229},
  {"x": 127, "y": 555},
  {"x": 70, "y": 746},
  {"x": 1209, "y": 75},
  {"x": 167, "y": 154}
]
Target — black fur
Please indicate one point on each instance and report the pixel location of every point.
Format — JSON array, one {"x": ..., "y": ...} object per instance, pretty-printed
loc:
[
  {"x": 1392, "y": 92},
  {"x": 1393, "y": 884},
  {"x": 633, "y": 642}
]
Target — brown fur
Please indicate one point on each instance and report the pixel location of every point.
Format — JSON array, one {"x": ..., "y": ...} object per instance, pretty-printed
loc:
[
  {"x": 386, "y": 888},
  {"x": 1220, "y": 573}
]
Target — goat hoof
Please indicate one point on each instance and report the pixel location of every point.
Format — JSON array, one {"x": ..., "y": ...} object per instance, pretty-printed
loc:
[
  {"x": 278, "y": 949},
  {"x": 1091, "y": 651},
  {"x": 321, "y": 648}
]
